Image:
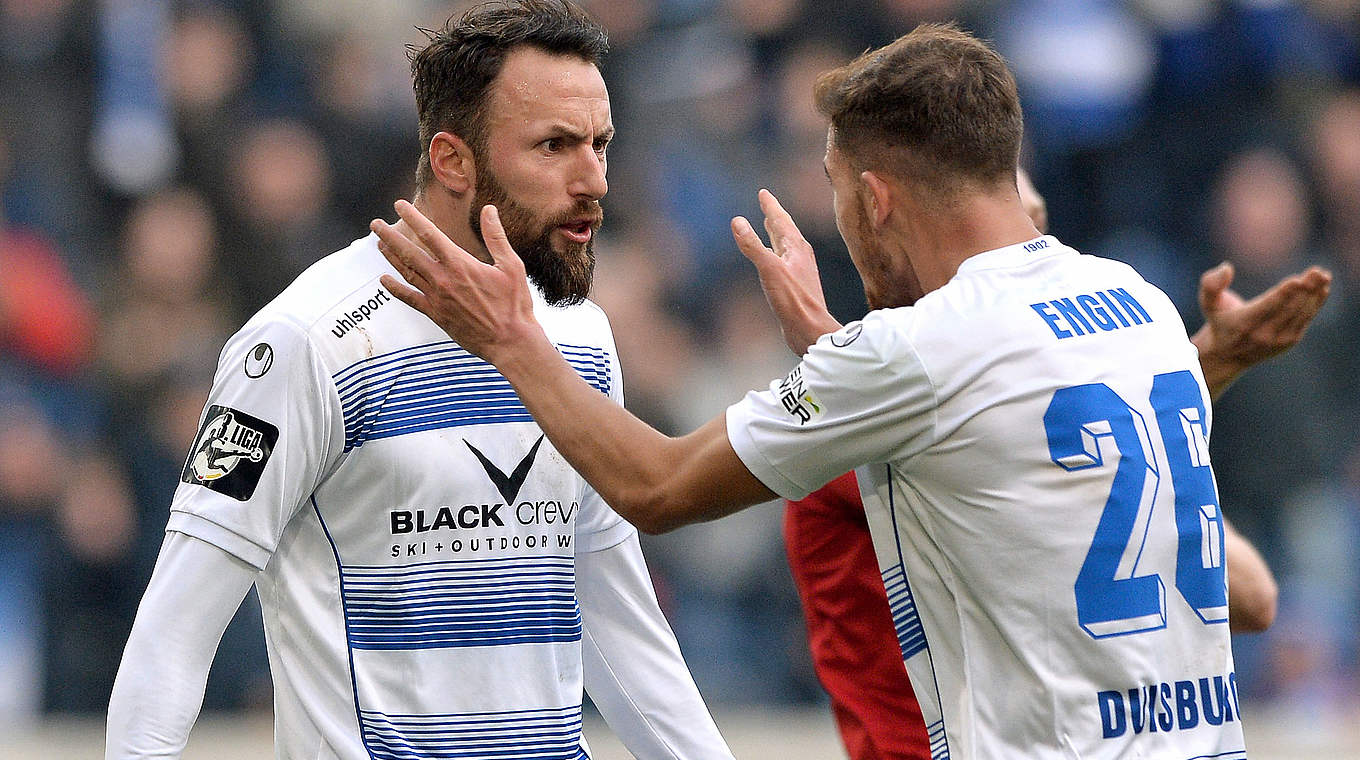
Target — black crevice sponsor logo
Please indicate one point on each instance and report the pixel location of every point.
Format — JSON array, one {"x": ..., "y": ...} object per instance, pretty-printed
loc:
[
  {"x": 508, "y": 485},
  {"x": 469, "y": 516},
  {"x": 351, "y": 319},
  {"x": 474, "y": 516},
  {"x": 230, "y": 452}
]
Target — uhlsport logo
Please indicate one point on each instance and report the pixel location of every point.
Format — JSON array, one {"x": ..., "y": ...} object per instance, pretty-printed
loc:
[
  {"x": 259, "y": 360},
  {"x": 230, "y": 452}
]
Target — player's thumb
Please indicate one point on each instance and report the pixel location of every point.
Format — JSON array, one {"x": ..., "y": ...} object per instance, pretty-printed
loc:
[{"x": 1212, "y": 284}]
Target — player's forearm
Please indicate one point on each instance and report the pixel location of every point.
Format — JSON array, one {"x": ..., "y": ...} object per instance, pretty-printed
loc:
[
  {"x": 633, "y": 668},
  {"x": 654, "y": 481},
  {"x": 1252, "y": 591},
  {"x": 193, "y": 594}
]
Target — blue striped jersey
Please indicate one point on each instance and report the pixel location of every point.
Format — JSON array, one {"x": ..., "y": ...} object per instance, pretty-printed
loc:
[{"x": 415, "y": 531}]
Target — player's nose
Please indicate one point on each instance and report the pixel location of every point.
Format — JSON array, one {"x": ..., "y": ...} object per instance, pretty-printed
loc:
[{"x": 589, "y": 181}]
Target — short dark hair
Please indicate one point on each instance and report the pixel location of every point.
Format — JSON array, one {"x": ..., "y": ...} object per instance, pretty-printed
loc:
[
  {"x": 936, "y": 106},
  {"x": 453, "y": 72}
]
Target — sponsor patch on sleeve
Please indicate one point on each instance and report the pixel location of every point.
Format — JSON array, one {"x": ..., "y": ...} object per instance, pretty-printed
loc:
[
  {"x": 230, "y": 452},
  {"x": 797, "y": 398}
]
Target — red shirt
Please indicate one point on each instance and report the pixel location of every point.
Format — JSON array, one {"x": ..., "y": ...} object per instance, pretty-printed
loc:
[{"x": 850, "y": 629}]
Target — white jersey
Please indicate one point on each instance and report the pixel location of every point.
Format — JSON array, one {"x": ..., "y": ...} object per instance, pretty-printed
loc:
[
  {"x": 1032, "y": 447},
  {"x": 415, "y": 530}
]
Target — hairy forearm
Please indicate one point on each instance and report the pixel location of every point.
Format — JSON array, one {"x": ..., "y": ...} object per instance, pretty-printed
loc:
[{"x": 654, "y": 481}]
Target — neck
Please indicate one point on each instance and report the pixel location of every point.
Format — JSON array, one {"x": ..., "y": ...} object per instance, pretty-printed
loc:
[
  {"x": 450, "y": 214},
  {"x": 936, "y": 244}
]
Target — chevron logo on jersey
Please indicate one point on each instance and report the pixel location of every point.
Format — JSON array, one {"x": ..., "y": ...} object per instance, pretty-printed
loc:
[{"x": 508, "y": 485}]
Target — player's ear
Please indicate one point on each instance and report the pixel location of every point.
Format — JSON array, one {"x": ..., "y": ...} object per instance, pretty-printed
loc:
[
  {"x": 877, "y": 196},
  {"x": 452, "y": 163}
]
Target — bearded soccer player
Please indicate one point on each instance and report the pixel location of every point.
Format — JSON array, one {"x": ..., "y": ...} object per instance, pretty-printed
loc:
[
  {"x": 1029, "y": 425},
  {"x": 854, "y": 646},
  {"x": 435, "y": 578}
]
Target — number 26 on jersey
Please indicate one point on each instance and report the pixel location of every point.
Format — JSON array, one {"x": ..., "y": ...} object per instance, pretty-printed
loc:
[{"x": 1086, "y": 424}]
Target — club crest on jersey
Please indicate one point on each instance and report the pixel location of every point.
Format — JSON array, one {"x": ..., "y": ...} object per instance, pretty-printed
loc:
[
  {"x": 797, "y": 398},
  {"x": 230, "y": 452}
]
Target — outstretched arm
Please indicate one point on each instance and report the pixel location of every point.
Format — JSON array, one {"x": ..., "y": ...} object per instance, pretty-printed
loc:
[
  {"x": 194, "y": 592},
  {"x": 656, "y": 482},
  {"x": 1238, "y": 333}
]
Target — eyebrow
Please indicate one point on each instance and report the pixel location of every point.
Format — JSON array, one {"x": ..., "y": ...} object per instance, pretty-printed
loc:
[{"x": 563, "y": 130}]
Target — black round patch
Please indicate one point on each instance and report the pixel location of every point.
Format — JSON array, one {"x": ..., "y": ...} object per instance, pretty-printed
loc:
[{"x": 259, "y": 360}]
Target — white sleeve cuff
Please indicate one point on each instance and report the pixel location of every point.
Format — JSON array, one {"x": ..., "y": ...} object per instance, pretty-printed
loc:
[{"x": 223, "y": 538}]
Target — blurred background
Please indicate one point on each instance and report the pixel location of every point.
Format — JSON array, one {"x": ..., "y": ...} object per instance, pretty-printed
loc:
[{"x": 166, "y": 167}]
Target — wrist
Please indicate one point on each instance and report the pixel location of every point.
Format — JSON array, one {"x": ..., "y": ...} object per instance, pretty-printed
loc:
[
  {"x": 519, "y": 350},
  {"x": 1218, "y": 368}
]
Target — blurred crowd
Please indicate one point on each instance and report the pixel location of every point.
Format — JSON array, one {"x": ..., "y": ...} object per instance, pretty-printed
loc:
[{"x": 167, "y": 167}]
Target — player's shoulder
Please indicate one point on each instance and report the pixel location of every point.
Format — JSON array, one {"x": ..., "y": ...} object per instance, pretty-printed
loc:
[
  {"x": 326, "y": 284},
  {"x": 574, "y": 323}
]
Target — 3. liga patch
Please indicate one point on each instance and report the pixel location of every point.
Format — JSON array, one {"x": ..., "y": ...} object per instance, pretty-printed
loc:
[{"x": 230, "y": 452}]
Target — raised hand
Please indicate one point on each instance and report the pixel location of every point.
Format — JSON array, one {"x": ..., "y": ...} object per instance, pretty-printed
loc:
[
  {"x": 788, "y": 275},
  {"x": 482, "y": 306},
  {"x": 1238, "y": 333}
]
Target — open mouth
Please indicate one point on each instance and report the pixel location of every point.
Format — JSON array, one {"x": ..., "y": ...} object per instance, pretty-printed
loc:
[{"x": 578, "y": 231}]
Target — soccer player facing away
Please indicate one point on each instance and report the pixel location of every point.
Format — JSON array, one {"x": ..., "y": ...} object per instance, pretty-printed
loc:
[
  {"x": 1030, "y": 434},
  {"x": 854, "y": 646},
  {"x": 436, "y": 580}
]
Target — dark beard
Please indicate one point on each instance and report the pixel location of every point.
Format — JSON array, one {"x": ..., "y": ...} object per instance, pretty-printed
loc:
[{"x": 565, "y": 277}]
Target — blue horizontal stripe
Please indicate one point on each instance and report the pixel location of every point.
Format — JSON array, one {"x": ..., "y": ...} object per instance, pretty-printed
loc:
[
  {"x": 546, "y": 734},
  {"x": 462, "y": 603},
  {"x": 440, "y": 385}
]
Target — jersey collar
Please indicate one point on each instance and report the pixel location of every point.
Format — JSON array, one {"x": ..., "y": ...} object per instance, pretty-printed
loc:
[{"x": 1044, "y": 245}]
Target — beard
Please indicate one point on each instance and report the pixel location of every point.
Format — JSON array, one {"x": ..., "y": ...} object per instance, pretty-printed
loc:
[
  {"x": 888, "y": 284},
  {"x": 564, "y": 277}
]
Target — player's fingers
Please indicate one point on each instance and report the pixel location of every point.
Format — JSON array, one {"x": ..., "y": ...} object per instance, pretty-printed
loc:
[
  {"x": 748, "y": 242},
  {"x": 779, "y": 223},
  {"x": 1305, "y": 303},
  {"x": 407, "y": 273},
  {"x": 1317, "y": 278},
  {"x": 405, "y": 293},
  {"x": 408, "y": 258},
  {"x": 503, "y": 254},
  {"x": 436, "y": 244}
]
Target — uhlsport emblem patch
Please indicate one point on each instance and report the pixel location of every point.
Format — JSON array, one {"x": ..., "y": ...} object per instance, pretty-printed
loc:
[
  {"x": 259, "y": 360},
  {"x": 230, "y": 452}
]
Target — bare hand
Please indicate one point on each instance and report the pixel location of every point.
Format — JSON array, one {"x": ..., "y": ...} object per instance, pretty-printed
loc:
[
  {"x": 788, "y": 275},
  {"x": 1238, "y": 333},
  {"x": 482, "y": 306}
]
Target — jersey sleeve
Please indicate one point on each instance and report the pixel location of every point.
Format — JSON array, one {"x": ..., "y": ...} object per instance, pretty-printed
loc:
[
  {"x": 269, "y": 432},
  {"x": 860, "y": 395},
  {"x": 599, "y": 526}
]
